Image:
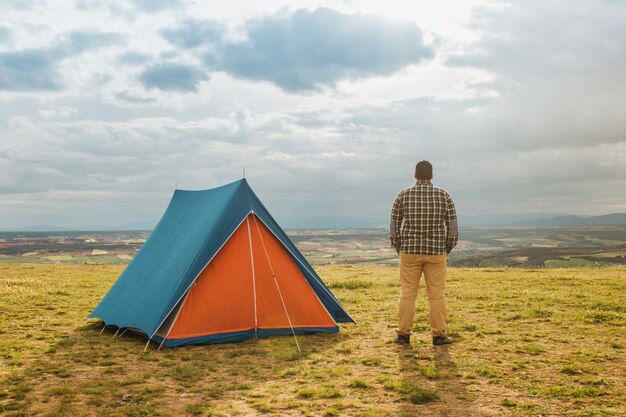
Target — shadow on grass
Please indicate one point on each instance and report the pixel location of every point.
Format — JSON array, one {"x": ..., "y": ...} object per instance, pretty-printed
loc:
[
  {"x": 93, "y": 373},
  {"x": 430, "y": 383}
]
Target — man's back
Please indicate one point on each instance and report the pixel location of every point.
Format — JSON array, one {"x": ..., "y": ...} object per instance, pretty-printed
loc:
[
  {"x": 423, "y": 229},
  {"x": 423, "y": 220}
]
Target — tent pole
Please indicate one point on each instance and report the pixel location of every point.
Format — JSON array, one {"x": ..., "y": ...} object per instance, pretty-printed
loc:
[
  {"x": 118, "y": 330},
  {"x": 146, "y": 348},
  {"x": 276, "y": 282},
  {"x": 173, "y": 321},
  {"x": 256, "y": 320},
  {"x": 104, "y": 327},
  {"x": 124, "y": 332}
]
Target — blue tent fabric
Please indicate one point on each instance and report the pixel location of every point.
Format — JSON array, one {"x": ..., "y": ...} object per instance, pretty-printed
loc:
[{"x": 196, "y": 224}]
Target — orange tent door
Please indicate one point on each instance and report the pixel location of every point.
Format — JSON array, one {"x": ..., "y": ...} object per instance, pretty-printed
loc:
[
  {"x": 251, "y": 282},
  {"x": 283, "y": 294}
]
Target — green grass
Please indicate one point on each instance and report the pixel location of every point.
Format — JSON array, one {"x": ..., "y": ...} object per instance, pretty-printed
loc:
[
  {"x": 528, "y": 342},
  {"x": 570, "y": 263}
]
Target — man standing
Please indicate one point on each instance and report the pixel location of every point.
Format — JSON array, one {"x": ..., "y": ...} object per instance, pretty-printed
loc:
[{"x": 423, "y": 230}]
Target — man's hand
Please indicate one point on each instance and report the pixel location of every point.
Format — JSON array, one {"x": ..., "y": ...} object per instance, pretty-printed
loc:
[{"x": 395, "y": 244}]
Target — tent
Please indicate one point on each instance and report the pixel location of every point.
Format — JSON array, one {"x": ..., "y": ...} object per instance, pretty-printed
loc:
[{"x": 218, "y": 268}]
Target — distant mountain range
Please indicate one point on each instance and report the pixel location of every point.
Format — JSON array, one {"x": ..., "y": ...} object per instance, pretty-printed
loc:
[
  {"x": 502, "y": 219},
  {"x": 55, "y": 228},
  {"x": 495, "y": 220},
  {"x": 43, "y": 228},
  {"x": 334, "y": 222},
  {"x": 574, "y": 221},
  {"x": 347, "y": 222}
]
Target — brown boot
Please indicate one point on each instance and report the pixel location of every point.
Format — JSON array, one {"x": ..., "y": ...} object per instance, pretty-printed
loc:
[{"x": 442, "y": 340}]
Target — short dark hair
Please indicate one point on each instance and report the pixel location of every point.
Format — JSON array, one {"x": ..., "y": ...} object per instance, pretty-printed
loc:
[{"x": 423, "y": 171}]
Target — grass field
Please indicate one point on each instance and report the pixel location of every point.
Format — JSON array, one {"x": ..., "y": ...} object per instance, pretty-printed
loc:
[{"x": 529, "y": 342}]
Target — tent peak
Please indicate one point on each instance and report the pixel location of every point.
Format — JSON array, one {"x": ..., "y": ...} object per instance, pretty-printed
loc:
[{"x": 221, "y": 187}]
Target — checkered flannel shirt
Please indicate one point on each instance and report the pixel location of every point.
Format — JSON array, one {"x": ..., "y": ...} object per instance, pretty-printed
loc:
[{"x": 423, "y": 220}]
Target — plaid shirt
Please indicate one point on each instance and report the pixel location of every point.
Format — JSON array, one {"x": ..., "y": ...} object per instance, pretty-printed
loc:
[{"x": 423, "y": 220}]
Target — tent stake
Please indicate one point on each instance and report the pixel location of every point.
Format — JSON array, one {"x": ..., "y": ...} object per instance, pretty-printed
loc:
[{"x": 161, "y": 345}]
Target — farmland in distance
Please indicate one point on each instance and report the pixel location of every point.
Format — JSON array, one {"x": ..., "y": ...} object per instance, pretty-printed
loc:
[{"x": 596, "y": 246}]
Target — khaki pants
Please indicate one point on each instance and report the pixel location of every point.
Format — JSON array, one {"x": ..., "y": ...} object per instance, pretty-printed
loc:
[{"x": 434, "y": 269}]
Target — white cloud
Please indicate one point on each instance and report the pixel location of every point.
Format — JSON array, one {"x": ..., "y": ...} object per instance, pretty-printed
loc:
[{"x": 57, "y": 111}]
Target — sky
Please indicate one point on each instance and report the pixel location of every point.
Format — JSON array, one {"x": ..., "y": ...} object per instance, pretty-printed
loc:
[{"x": 107, "y": 106}]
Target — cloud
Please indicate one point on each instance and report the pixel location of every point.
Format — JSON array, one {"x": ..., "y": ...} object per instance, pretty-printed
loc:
[
  {"x": 522, "y": 39},
  {"x": 153, "y": 6},
  {"x": 329, "y": 161},
  {"x": 28, "y": 70},
  {"x": 5, "y": 34},
  {"x": 557, "y": 67},
  {"x": 308, "y": 50},
  {"x": 19, "y": 4},
  {"x": 58, "y": 112},
  {"x": 77, "y": 42},
  {"x": 145, "y": 156},
  {"x": 134, "y": 98},
  {"x": 133, "y": 58},
  {"x": 114, "y": 8},
  {"x": 172, "y": 77},
  {"x": 103, "y": 155},
  {"x": 192, "y": 33},
  {"x": 37, "y": 69}
]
